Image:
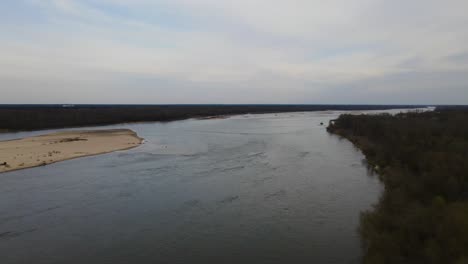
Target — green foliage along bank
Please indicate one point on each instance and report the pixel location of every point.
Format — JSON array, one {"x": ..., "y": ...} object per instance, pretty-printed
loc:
[{"x": 422, "y": 159}]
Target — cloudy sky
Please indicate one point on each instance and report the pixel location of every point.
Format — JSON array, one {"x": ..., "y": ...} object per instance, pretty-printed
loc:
[{"x": 242, "y": 51}]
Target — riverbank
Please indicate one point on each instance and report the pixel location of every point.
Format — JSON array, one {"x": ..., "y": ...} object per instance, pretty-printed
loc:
[
  {"x": 35, "y": 117},
  {"x": 422, "y": 160},
  {"x": 50, "y": 148}
]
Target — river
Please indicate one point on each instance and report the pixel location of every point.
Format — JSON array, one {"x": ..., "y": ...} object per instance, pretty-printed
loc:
[{"x": 271, "y": 188}]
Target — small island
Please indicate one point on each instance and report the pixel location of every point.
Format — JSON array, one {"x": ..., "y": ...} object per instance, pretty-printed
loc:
[{"x": 50, "y": 148}]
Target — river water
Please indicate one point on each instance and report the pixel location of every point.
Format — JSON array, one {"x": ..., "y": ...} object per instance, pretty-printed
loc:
[{"x": 272, "y": 188}]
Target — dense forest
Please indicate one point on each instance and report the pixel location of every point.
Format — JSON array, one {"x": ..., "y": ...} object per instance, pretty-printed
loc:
[
  {"x": 30, "y": 117},
  {"x": 422, "y": 159}
]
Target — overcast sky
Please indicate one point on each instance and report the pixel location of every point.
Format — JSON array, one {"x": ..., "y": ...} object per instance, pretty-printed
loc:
[{"x": 237, "y": 51}]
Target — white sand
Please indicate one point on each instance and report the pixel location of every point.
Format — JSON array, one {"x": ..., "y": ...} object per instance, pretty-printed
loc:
[{"x": 45, "y": 149}]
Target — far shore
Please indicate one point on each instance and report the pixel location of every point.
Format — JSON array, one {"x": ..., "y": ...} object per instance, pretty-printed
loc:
[
  {"x": 50, "y": 148},
  {"x": 37, "y": 117}
]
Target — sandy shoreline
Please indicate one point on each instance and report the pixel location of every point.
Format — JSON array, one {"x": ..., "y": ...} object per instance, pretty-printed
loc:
[{"x": 50, "y": 148}]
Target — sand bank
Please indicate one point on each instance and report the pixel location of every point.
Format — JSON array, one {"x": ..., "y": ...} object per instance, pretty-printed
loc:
[{"x": 45, "y": 149}]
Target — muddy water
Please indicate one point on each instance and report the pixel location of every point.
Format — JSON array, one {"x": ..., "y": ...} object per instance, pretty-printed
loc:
[{"x": 273, "y": 188}]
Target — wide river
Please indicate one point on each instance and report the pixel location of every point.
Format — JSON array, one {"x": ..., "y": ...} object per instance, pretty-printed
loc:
[{"x": 272, "y": 188}]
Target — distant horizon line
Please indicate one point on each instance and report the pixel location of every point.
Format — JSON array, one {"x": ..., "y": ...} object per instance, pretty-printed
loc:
[{"x": 222, "y": 104}]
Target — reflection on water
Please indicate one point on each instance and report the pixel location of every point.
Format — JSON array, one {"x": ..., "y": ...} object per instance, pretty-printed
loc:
[{"x": 247, "y": 189}]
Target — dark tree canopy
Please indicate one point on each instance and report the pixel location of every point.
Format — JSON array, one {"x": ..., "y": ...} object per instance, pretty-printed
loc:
[{"x": 422, "y": 159}]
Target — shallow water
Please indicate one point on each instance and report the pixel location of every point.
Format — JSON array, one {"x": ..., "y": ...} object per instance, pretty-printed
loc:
[{"x": 273, "y": 188}]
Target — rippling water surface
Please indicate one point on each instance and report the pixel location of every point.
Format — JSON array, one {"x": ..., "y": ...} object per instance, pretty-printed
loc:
[{"x": 273, "y": 188}]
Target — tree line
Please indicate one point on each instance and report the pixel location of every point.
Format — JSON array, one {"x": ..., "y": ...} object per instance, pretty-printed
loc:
[
  {"x": 422, "y": 159},
  {"x": 30, "y": 117}
]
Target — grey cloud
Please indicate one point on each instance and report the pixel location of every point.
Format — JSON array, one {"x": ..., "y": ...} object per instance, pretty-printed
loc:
[{"x": 246, "y": 51}]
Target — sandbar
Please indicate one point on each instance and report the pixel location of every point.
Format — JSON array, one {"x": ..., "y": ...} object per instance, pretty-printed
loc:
[{"x": 50, "y": 148}]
